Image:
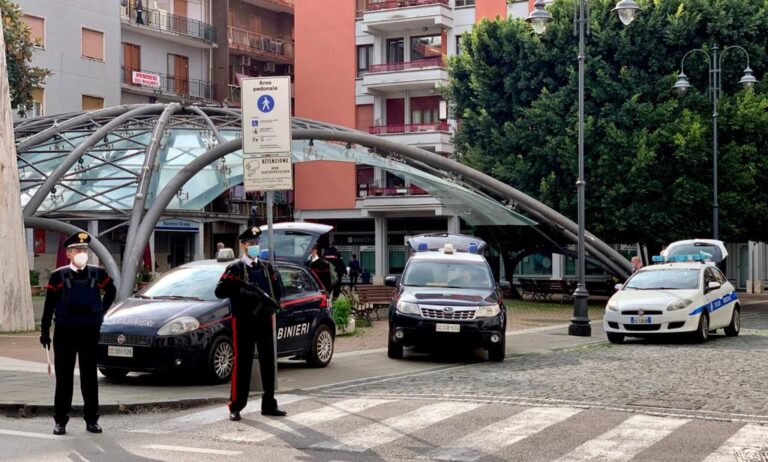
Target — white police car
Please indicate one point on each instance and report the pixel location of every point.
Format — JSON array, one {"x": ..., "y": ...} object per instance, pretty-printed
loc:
[{"x": 685, "y": 293}]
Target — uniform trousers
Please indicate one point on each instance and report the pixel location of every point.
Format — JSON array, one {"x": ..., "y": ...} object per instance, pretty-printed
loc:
[
  {"x": 249, "y": 330},
  {"x": 81, "y": 343}
]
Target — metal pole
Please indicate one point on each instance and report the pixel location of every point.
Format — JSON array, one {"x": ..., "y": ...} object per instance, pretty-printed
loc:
[
  {"x": 580, "y": 325},
  {"x": 270, "y": 221},
  {"x": 715, "y": 91}
]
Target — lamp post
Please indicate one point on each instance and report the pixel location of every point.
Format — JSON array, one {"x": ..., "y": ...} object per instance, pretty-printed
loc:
[
  {"x": 714, "y": 62},
  {"x": 539, "y": 18}
]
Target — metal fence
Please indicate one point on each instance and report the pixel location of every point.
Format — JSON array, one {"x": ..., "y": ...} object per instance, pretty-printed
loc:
[
  {"x": 169, "y": 84},
  {"x": 166, "y": 22}
]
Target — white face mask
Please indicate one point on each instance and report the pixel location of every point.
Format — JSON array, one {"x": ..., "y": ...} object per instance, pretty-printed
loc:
[{"x": 80, "y": 260}]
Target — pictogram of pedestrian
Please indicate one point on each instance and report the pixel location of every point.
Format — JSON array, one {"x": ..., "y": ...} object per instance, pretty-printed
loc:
[{"x": 265, "y": 103}]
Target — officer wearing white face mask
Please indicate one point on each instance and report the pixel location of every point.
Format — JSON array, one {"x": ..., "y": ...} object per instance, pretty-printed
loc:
[{"x": 74, "y": 302}]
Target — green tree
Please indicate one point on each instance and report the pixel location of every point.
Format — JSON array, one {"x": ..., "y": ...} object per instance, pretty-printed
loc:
[
  {"x": 23, "y": 78},
  {"x": 648, "y": 151}
]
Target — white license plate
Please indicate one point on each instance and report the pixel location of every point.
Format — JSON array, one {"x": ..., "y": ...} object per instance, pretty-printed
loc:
[
  {"x": 447, "y": 327},
  {"x": 640, "y": 320},
  {"x": 122, "y": 352}
]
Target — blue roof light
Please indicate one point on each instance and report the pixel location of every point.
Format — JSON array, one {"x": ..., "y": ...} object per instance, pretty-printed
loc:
[
  {"x": 473, "y": 248},
  {"x": 422, "y": 247},
  {"x": 264, "y": 255},
  {"x": 658, "y": 259}
]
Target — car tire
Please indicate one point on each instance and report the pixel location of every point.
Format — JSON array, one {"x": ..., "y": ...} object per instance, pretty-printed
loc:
[
  {"x": 497, "y": 351},
  {"x": 394, "y": 349},
  {"x": 321, "y": 350},
  {"x": 221, "y": 360},
  {"x": 114, "y": 375},
  {"x": 701, "y": 334},
  {"x": 732, "y": 330},
  {"x": 615, "y": 338}
]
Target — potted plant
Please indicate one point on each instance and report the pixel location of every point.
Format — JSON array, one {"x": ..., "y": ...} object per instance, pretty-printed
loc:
[
  {"x": 144, "y": 277},
  {"x": 342, "y": 309},
  {"x": 34, "y": 282}
]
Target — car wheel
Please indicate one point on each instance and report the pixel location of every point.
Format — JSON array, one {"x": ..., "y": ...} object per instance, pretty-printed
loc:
[
  {"x": 735, "y": 326},
  {"x": 497, "y": 351},
  {"x": 221, "y": 360},
  {"x": 615, "y": 338},
  {"x": 394, "y": 350},
  {"x": 113, "y": 374},
  {"x": 321, "y": 350},
  {"x": 701, "y": 334}
]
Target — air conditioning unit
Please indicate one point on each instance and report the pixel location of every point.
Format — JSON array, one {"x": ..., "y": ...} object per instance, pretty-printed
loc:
[
  {"x": 244, "y": 61},
  {"x": 269, "y": 67}
]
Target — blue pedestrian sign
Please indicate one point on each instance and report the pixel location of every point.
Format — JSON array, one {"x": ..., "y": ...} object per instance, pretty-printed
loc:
[
  {"x": 266, "y": 123},
  {"x": 266, "y": 103}
]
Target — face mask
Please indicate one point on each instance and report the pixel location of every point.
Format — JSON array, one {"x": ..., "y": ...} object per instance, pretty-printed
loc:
[
  {"x": 253, "y": 251},
  {"x": 80, "y": 260}
]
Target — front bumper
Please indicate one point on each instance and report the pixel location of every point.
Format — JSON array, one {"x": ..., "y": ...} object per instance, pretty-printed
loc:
[
  {"x": 668, "y": 322},
  {"x": 156, "y": 354},
  {"x": 417, "y": 330}
]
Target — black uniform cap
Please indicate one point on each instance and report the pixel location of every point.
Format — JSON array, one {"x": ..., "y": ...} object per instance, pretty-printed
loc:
[
  {"x": 79, "y": 239},
  {"x": 251, "y": 233}
]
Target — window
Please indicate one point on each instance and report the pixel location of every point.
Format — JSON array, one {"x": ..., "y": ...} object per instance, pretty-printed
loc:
[
  {"x": 91, "y": 103},
  {"x": 458, "y": 44},
  {"x": 460, "y": 3},
  {"x": 36, "y": 29},
  {"x": 395, "y": 50},
  {"x": 360, "y": 8},
  {"x": 93, "y": 44},
  {"x": 37, "y": 108},
  {"x": 364, "y": 57},
  {"x": 427, "y": 47},
  {"x": 296, "y": 282},
  {"x": 131, "y": 61}
]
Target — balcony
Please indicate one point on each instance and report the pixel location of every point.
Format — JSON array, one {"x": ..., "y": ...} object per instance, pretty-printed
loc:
[
  {"x": 412, "y": 75},
  {"x": 150, "y": 83},
  {"x": 366, "y": 190},
  {"x": 279, "y": 6},
  {"x": 392, "y": 15},
  {"x": 435, "y": 135},
  {"x": 260, "y": 46},
  {"x": 166, "y": 26}
]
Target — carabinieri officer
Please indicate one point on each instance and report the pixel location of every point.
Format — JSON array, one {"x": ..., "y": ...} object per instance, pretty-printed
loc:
[
  {"x": 254, "y": 289},
  {"x": 74, "y": 298}
]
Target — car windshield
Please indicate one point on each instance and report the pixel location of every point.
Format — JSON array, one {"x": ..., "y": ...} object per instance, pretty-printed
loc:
[
  {"x": 289, "y": 244},
  {"x": 707, "y": 251},
  {"x": 664, "y": 279},
  {"x": 186, "y": 284},
  {"x": 460, "y": 275}
]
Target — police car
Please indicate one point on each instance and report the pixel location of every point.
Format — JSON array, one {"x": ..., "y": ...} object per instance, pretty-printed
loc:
[
  {"x": 178, "y": 323},
  {"x": 684, "y": 293},
  {"x": 447, "y": 292}
]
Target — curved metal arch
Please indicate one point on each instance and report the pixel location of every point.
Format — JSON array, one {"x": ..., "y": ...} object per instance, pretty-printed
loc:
[{"x": 209, "y": 122}]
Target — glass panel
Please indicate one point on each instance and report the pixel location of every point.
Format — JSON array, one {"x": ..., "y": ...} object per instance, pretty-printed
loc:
[
  {"x": 448, "y": 274},
  {"x": 186, "y": 283},
  {"x": 428, "y": 47},
  {"x": 395, "y": 50},
  {"x": 295, "y": 282},
  {"x": 367, "y": 261},
  {"x": 396, "y": 259}
]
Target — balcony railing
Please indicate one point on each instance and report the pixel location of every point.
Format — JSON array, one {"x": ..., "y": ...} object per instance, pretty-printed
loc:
[
  {"x": 366, "y": 190},
  {"x": 169, "y": 23},
  {"x": 259, "y": 43},
  {"x": 168, "y": 84},
  {"x": 394, "y": 67},
  {"x": 285, "y": 3},
  {"x": 441, "y": 126},
  {"x": 375, "y": 5}
]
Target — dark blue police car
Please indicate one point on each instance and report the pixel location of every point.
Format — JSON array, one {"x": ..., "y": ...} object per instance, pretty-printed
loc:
[{"x": 178, "y": 323}]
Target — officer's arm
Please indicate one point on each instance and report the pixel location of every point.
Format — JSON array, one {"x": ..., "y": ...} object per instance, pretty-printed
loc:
[
  {"x": 106, "y": 284},
  {"x": 230, "y": 282},
  {"x": 52, "y": 296}
]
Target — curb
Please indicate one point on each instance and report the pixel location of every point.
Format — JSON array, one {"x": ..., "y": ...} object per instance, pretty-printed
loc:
[{"x": 36, "y": 410}]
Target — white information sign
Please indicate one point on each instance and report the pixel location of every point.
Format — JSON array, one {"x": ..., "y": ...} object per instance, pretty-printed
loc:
[
  {"x": 266, "y": 108},
  {"x": 274, "y": 173},
  {"x": 145, "y": 78}
]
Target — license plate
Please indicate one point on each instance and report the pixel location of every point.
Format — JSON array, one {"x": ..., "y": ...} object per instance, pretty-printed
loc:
[
  {"x": 640, "y": 320},
  {"x": 122, "y": 352},
  {"x": 447, "y": 327}
]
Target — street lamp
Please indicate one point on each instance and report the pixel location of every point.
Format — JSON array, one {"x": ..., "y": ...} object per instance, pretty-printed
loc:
[
  {"x": 539, "y": 18},
  {"x": 714, "y": 61}
]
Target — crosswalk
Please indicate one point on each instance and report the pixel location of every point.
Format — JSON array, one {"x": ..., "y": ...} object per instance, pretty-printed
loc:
[{"x": 469, "y": 431}]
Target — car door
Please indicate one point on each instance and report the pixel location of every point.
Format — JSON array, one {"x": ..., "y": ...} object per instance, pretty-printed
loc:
[
  {"x": 301, "y": 301},
  {"x": 717, "y": 312}
]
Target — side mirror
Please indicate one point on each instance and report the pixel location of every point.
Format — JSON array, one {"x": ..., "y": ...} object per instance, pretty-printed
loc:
[
  {"x": 713, "y": 285},
  {"x": 505, "y": 285},
  {"x": 391, "y": 281},
  {"x": 618, "y": 287}
]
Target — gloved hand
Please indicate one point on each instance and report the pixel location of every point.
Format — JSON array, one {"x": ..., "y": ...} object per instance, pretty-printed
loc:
[{"x": 45, "y": 339}]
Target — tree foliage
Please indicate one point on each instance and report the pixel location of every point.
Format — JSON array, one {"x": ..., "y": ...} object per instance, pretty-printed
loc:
[
  {"x": 648, "y": 151},
  {"x": 23, "y": 78}
]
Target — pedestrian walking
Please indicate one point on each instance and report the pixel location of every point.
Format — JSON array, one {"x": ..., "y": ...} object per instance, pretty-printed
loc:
[
  {"x": 74, "y": 302},
  {"x": 354, "y": 271},
  {"x": 333, "y": 257},
  {"x": 254, "y": 289}
]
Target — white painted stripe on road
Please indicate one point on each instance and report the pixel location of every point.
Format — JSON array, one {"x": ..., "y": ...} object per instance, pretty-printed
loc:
[
  {"x": 218, "y": 452},
  {"x": 41, "y": 436},
  {"x": 626, "y": 440},
  {"x": 324, "y": 414},
  {"x": 749, "y": 443},
  {"x": 389, "y": 430},
  {"x": 503, "y": 433}
]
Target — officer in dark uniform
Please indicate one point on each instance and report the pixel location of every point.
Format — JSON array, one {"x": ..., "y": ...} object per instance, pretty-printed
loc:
[
  {"x": 74, "y": 299},
  {"x": 254, "y": 289}
]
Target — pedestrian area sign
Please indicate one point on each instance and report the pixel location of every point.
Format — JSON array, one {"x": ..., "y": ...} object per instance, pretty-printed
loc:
[
  {"x": 266, "y": 108},
  {"x": 273, "y": 173}
]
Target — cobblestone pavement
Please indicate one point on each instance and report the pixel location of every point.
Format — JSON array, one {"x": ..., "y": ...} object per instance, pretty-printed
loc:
[{"x": 723, "y": 379}]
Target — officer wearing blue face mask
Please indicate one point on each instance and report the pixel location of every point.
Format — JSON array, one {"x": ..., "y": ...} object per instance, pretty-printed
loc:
[{"x": 254, "y": 289}]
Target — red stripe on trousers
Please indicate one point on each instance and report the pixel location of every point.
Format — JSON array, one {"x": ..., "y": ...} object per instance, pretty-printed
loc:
[{"x": 233, "y": 379}]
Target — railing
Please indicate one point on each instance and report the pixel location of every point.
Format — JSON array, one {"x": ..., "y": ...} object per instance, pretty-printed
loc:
[
  {"x": 259, "y": 43},
  {"x": 394, "y": 67},
  {"x": 176, "y": 85},
  {"x": 366, "y": 190},
  {"x": 441, "y": 126},
  {"x": 375, "y": 5},
  {"x": 165, "y": 22},
  {"x": 234, "y": 92}
]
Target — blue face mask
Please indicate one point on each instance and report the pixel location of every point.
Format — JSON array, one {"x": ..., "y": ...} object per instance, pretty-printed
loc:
[{"x": 253, "y": 251}]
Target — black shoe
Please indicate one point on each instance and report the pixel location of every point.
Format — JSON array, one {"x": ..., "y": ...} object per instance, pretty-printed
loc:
[
  {"x": 93, "y": 428},
  {"x": 275, "y": 412},
  {"x": 59, "y": 429},
  {"x": 234, "y": 416}
]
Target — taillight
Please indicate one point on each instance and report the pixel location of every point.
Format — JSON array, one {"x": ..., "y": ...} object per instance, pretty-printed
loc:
[{"x": 324, "y": 301}]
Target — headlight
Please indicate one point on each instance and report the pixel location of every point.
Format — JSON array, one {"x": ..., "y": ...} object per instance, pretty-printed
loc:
[
  {"x": 612, "y": 305},
  {"x": 179, "y": 326},
  {"x": 487, "y": 311},
  {"x": 680, "y": 304},
  {"x": 409, "y": 308}
]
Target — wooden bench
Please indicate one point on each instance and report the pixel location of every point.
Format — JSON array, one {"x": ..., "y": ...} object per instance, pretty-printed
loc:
[
  {"x": 543, "y": 289},
  {"x": 370, "y": 298}
]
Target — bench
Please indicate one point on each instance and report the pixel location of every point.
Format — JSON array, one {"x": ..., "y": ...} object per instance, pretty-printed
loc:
[
  {"x": 543, "y": 289},
  {"x": 370, "y": 298}
]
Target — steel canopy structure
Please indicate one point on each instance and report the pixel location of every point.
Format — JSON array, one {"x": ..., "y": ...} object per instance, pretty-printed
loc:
[{"x": 134, "y": 162}]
